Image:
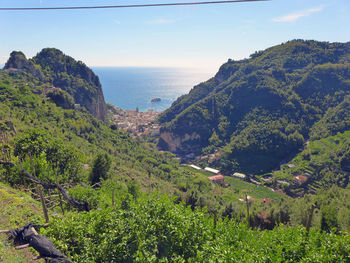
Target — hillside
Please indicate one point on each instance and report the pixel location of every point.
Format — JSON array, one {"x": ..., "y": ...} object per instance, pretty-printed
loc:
[
  {"x": 17, "y": 208},
  {"x": 67, "y": 81},
  {"x": 140, "y": 204},
  {"x": 322, "y": 164},
  {"x": 28, "y": 113},
  {"x": 260, "y": 111}
]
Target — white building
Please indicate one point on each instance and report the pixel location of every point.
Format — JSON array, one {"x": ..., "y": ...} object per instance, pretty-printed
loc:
[
  {"x": 195, "y": 167},
  {"x": 239, "y": 175},
  {"x": 211, "y": 170}
]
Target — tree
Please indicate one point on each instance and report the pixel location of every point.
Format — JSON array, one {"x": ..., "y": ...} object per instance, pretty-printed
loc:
[
  {"x": 214, "y": 139},
  {"x": 33, "y": 144},
  {"x": 64, "y": 163},
  {"x": 100, "y": 168},
  {"x": 63, "y": 160},
  {"x": 329, "y": 221}
]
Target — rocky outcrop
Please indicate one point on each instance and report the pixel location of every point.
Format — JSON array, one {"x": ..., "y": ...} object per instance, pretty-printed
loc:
[
  {"x": 19, "y": 62},
  {"x": 75, "y": 78},
  {"x": 61, "y": 71},
  {"x": 175, "y": 143}
]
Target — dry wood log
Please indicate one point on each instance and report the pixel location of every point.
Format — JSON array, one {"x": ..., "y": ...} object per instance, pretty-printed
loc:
[
  {"x": 22, "y": 246},
  {"x": 34, "y": 231}
]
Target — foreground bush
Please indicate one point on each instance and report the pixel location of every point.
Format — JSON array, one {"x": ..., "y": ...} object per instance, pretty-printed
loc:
[{"x": 157, "y": 230}]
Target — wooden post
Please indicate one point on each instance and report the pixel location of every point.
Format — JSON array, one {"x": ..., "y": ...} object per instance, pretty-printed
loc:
[
  {"x": 21, "y": 166},
  {"x": 46, "y": 214},
  {"x": 215, "y": 219},
  {"x": 247, "y": 204},
  {"x": 59, "y": 193},
  {"x": 39, "y": 188},
  {"x": 113, "y": 197},
  {"x": 309, "y": 220}
]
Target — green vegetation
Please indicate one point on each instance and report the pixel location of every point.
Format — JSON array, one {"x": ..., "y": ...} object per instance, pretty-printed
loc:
[
  {"x": 67, "y": 81},
  {"x": 187, "y": 218},
  {"x": 236, "y": 188},
  {"x": 335, "y": 120},
  {"x": 61, "y": 98},
  {"x": 324, "y": 162},
  {"x": 100, "y": 168},
  {"x": 17, "y": 208},
  {"x": 259, "y": 112},
  {"x": 155, "y": 229},
  {"x": 67, "y": 142}
]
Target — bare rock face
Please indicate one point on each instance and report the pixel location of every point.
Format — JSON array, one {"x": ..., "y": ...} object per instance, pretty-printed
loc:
[{"x": 175, "y": 143}]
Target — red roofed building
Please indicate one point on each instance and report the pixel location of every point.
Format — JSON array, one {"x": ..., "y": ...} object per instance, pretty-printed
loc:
[
  {"x": 301, "y": 179},
  {"x": 219, "y": 179}
]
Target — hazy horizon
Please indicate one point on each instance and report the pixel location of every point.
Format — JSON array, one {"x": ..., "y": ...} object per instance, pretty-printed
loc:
[{"x": 183, "y": 36}]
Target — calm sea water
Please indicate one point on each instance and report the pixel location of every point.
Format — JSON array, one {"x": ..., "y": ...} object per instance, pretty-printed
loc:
[{"x": 131, "y": 87}]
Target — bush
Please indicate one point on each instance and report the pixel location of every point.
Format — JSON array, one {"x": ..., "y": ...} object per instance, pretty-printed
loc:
[{"x": 100, "y": 168}]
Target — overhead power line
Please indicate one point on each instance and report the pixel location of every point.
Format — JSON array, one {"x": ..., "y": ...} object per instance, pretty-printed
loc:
[{"x": 124, "y": 6}]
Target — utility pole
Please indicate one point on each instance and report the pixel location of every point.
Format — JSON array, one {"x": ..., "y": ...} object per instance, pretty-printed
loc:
[{"x": 246, "y": 199}]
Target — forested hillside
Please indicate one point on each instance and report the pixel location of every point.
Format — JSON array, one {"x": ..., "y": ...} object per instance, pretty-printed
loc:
[
  {"x": 93, "y": 151},
  {"x": 114, "y": 198},
  {"x": 259, "y": 112}
]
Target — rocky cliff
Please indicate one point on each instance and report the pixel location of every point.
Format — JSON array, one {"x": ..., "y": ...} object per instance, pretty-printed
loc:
[
  {"x": 18, "y": 61},
  {"x": 61, "y": 71}
]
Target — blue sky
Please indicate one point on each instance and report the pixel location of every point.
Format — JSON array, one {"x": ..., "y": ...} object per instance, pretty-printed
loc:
[{"x": 191, "y": 36}]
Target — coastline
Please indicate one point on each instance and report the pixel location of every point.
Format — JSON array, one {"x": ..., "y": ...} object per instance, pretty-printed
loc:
[{"x": 131, "y": 87}]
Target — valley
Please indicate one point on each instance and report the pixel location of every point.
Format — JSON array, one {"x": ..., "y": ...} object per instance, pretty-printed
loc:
[{"x": 258, "y": 152}]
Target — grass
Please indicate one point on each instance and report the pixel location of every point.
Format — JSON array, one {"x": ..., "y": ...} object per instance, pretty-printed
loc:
[
  {"x": 17, "y": 209},
  {"x": 237, "y": 186},
  {"x": 192, "y": 170},
  {"x": 256, "y": 191}
]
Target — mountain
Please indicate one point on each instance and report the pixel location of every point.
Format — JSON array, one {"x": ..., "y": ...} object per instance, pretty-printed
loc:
[
  {"x": 259, "y": 112},
  {"x": 30, "y": 108},
  {"x": 140, "y": 204},
  {"x": 63, "y": 73}
]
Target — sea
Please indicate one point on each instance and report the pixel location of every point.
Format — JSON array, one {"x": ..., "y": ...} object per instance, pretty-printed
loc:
[{"x": 134, "y": 87}]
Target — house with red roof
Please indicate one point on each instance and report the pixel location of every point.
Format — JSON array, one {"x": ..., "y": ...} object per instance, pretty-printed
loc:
[
  {"x": 219, "y": 179},
  {"x": 300, "y": 179}
]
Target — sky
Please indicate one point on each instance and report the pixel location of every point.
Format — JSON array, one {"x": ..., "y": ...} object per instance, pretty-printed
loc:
[{"x": 184, "y": 36}]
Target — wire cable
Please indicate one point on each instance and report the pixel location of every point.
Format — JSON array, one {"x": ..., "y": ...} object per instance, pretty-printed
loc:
[{"x": 124, "y": 6}]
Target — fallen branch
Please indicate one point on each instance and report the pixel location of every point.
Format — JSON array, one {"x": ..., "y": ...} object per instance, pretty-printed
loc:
[
  {"x": 22, "y": 246},
  {"x": 81, "y": 206}
]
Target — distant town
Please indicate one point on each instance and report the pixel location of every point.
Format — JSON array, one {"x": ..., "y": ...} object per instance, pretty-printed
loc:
[
  {"x": 135, "y": 122},
  {"x": 139, "y": 123}
]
